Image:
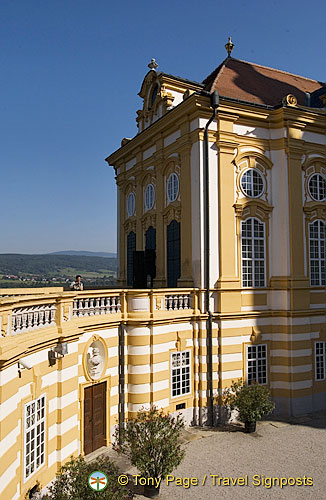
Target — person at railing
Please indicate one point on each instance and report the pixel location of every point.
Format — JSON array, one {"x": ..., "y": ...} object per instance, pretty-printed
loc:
[{"x": 77, "y": 285}]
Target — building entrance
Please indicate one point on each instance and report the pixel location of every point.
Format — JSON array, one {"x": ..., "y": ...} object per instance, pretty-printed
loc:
[{"x": 94, "y": 417}]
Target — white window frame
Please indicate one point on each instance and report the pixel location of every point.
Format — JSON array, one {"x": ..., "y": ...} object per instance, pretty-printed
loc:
[
  {"x": 256, "y": 358},
  {"x": 187, "y": 366},
  {"x": 250, "y": 172},
  {"x": 172, "y": 187},
  {"x": 321, "y": 246},
  {"x": 149, "y": 197},
  {"x": 253, "y": 259},
  {"x": 131, "y": 204},
  {"x": 322, "y": 358},
  {"x": 34, "y": 447},
  {"x": 320, "y": 180}
]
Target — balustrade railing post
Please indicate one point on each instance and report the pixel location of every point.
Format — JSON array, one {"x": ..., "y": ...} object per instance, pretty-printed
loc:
[
  {"x": 119, "y": 303},
  {"x": 97, "y": 306}
]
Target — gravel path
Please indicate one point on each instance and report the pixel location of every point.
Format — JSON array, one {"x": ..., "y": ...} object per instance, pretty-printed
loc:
[{"x": 277, "y": 450}]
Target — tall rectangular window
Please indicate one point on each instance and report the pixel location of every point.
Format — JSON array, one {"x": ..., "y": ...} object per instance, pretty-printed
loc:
[
  {"x": 320, "y": 360},
  {"x": 257, "y": 363},
  {"x": 253, "y": 253},
  {"x": 173, "y": 253},
  {"x": 317, "y": 244},
  {"x": 131, "y": 248},
  {"x": 181, "y": 373},
  {"x": 34, "y": 436}
]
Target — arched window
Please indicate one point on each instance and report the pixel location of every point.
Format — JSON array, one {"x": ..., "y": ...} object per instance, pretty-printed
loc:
[
  {"x": 150, "y": 253},
  {"x": 317, "y": 246},
  {"x": 150, "y": 237},
  {"x": 173, "y": 254},
  {"x": 253, "y": 253},
  {"x": 153, "y": 95},
  {"x": 131, "y": 247}
]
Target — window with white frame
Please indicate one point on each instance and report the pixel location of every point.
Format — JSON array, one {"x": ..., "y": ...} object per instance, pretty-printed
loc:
[
  {"x": 320, "y": 360},
  {"x": 252, "y": 183},
  {"x": 180, "y": 373},
  {"x": 317, "y": 187},
  {"x": 257, "y": 364},
  {"x": 317, "y": 245},
  {"x": 34, "y": 436},
  {"x": 172, "y": 187},
  {"x": 253, "y": 253},
  {"x": 131, "y": 204},
  {"x": 149, "y": 196}
]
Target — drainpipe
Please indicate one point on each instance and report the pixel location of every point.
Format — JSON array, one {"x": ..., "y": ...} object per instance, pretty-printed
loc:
[
  {"x": 121, "y": 379},
  {"x": 214, "y": 98}
]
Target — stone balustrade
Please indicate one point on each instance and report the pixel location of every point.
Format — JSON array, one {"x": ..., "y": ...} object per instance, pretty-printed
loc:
[
  {"x": 97, "y": 305},
  {"x": 25, "y": 319},
  {"x": 29, "y": 312},
  {"x": 177, "y": 302}
]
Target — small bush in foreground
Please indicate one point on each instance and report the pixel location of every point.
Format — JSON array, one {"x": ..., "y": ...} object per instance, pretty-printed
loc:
[
  {"x": 71, "y": 482},
  {"x": 252, "y": 401},
  {"x": 151, "y": 442}
]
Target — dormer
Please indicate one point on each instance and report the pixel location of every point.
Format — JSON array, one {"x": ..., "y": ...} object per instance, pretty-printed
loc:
[
  {"x": 160, "y": 93},
  {"x": 317, "y": 99}
]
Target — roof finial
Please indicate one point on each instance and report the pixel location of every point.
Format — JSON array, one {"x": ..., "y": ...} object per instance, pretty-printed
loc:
[
  {"x": 229, "y": 46},
  {"x": 153, "y": 65}
]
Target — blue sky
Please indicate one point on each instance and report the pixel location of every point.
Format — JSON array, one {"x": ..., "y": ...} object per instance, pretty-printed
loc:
[{"x": 69, "y": 77}]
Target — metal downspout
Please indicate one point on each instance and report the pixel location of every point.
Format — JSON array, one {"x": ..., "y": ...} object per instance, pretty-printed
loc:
[
  {"x": 121, "y": 378},
  {"x": 214, "y": 97}
]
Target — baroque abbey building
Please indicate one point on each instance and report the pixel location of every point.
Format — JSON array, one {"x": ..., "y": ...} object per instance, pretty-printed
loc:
[{"x": 221, "y": 275}]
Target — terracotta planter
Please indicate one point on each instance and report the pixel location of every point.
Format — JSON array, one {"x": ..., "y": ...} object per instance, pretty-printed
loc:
[
  {"x": 250, "y": 426},
  {"x": 151, "y": 491}
]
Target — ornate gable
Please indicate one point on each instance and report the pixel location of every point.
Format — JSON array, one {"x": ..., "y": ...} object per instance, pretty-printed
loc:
[{"x": 160, "y": 93}]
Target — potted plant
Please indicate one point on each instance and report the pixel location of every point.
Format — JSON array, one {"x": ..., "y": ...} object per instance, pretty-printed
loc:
[
  {"x": 252, "y": 402},
  {"x": 151, "y": 442},
  {"x": 73, "y": 481}
]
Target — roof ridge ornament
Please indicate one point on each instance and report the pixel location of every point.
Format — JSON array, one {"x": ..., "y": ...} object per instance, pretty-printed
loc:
[
  {"x": 153, "y": 65},
  {"x": 229, "y": 46}
]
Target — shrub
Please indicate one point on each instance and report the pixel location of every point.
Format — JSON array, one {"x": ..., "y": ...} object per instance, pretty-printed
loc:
[
  {"x": 71, "y": 482},
  {"x": 151, "y": 442},
  {"x": 252, "y": 401}
]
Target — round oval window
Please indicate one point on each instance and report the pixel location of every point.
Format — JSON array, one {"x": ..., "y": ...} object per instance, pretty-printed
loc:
[
  {"x": 149, "y": 196},
  {"x": 252, "y": 183},
  {"x": 131, "y": 204},
  {"x": 172, "y": 187},
  {"x": 317, "y": 187}
]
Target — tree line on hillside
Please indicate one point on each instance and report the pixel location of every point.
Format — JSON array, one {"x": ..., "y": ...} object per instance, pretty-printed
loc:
[{"x": 18, "y": 264}]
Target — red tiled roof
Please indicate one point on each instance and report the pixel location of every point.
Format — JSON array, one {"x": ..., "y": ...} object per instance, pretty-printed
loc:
[{"x": 259, "y": 84}]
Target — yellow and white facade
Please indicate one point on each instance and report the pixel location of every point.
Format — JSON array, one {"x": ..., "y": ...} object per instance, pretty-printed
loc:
[
  {"x": 267, "y": 168},
  {"x": 55, "y": 405},
  {"x": 63, "y": 354}
]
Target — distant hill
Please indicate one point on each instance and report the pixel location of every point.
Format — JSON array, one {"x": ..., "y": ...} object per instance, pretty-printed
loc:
[
  {"x": 56, "y": 265},
  {"x": 84, "y": 253}
]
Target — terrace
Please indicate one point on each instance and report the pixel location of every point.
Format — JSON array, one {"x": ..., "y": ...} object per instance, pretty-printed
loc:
[{"x": 30, "y": 317}]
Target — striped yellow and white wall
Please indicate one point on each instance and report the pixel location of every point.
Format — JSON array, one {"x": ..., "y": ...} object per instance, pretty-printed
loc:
[{"x": 151, "y": 335}]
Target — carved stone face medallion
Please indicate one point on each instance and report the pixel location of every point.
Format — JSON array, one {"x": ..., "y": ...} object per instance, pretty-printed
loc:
[{"x": 95, "y": 360}]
